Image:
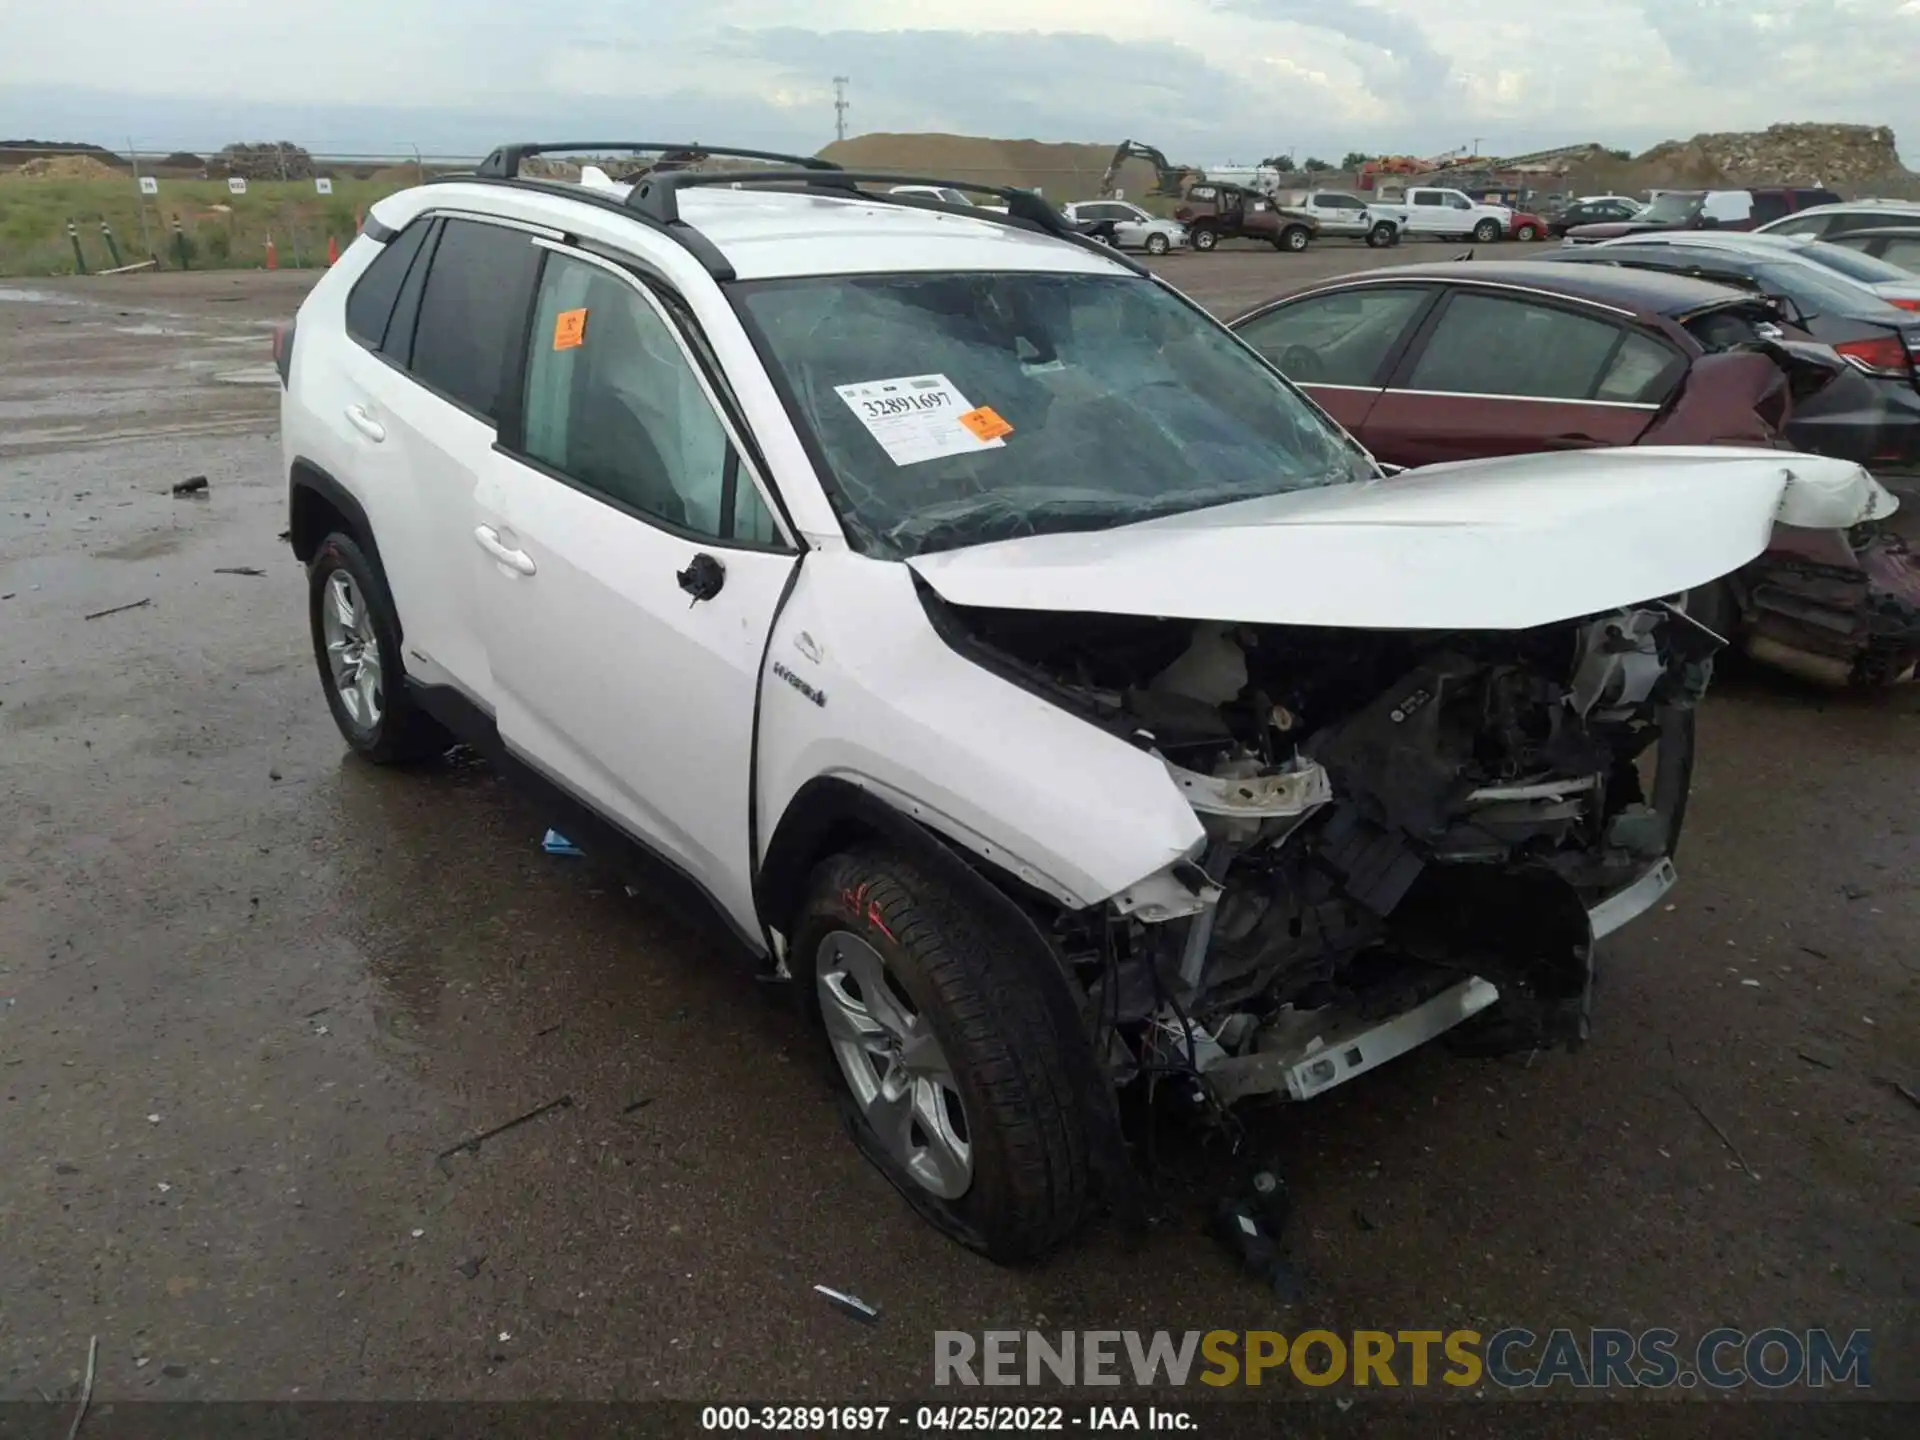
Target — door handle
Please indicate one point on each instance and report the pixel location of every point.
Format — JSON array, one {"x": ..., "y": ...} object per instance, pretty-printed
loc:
[
  {"x": 516, "y": 560},
  {"x": 358, "y": 417}
]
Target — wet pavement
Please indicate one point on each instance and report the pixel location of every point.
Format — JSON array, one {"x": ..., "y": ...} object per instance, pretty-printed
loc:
[{"x": 255, "y": 995}]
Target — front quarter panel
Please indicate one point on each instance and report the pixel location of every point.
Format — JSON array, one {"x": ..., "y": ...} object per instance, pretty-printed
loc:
[{"x": 858, "y": 686}]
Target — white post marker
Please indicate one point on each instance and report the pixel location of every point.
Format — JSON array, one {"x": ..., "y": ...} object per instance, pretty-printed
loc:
[
  {"x": 322, "y": 185},
  {"x": 236, "y": 185},
  {"x": 149, "y": 185}
]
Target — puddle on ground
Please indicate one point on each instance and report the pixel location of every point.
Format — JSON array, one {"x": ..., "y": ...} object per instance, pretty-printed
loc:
[
  {"x": 148, "y": 328},
  {"x": 33, "y": 297},
  {"x": 147, "y": 547}
]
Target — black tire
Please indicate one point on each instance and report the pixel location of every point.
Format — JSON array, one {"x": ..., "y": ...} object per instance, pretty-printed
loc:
[
  {"x": 1293, "y": 238},
  {"x": 1526, "y": 232},
  {"x": 1026, "y": 1128},
  {"x": 1486, "y": 232},
  {"x": 403, "y": 733},
  {"x": 1157, "y": 244},
  {"x": 1204, "y": 238},
  {"x": 1380, "y": 236}
]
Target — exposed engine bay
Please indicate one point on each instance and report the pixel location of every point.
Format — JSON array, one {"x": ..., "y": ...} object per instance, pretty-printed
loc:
[{"x": 1406, "y": 830}]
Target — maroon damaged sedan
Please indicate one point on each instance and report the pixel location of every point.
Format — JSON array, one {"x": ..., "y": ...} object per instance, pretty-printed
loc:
[{"x": 1466, "y": 360}]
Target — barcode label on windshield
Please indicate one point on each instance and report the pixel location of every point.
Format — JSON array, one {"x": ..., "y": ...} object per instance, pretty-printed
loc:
[{"x": 915, "y": 417}]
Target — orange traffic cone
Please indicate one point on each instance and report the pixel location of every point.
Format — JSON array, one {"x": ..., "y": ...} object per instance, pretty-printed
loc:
[
  {"x": 333, "y": 251},
  {"x": 359, "y": 221},
  {"x": 273, "y": 256}
]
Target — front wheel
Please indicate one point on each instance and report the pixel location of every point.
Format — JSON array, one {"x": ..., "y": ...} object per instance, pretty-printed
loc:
[
  {"x": 1205, "y": 240},
  {"x": 1526, "y": 232},
  {"x": 1293, "y": 238},
  {"x": 945, "y": 1050},
  {"x": 1486, "y": 232},
  {"x": 1157, "y": 244},
  {"x": 1380, "y": 236}
]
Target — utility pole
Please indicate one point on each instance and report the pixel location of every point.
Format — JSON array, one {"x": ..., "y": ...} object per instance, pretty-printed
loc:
[{"x": 840, "y": 107}]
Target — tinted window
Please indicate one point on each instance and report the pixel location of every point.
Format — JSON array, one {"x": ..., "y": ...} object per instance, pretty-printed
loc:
[
  {"x": 612, "y": 402},
  {"x": 1484, "y": 345},
  {"x": 1842, "y": 221},
  {"x": 1427, "y": 197},
  {"x": 370, "y": 303},
  {"x": 1801, "y": 225},
  {"x": 472, "y": 311},
  {"x": 1769, "y": 205},
  {"x": 1642, "y": 371},
  {"x": 1334, "y": 339},
  {"x": 1903, "y": 251},
  {"x": 1852, "y": 264}
]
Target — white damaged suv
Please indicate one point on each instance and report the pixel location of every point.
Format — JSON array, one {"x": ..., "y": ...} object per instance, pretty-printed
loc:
[{"x": 1008, "y": 654}]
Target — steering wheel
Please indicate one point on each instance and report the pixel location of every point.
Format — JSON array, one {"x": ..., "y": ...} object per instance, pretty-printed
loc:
[{"x": 1300, "y": 364}]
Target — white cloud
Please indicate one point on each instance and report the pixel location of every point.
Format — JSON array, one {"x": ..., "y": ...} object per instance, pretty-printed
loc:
[{"x": 1201, "y": 78}]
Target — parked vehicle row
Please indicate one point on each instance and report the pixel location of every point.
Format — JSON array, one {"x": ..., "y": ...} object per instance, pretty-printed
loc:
[{"x": 1025, "y": 672}]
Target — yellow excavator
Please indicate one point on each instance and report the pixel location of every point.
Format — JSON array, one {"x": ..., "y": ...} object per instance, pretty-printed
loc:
[{"x": 1169, "y": 179}]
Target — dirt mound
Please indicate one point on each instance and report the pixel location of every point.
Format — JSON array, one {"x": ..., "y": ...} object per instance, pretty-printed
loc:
[
  {"x": 266, "y": 160},
  {"x": 1844, "y": 155},
  {"x": 63, "y": 167},
  {"x": 1061, "y": 172}
]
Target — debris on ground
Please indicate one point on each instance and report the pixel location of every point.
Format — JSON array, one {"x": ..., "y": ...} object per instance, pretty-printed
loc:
[
  {"x": 116, "y": 609},
  {"x": 192, "y": 485},
  {"x": 1249, "y": 1227},
  {"x": 1818, "y": 1055},
  {"x": 284, "y": 536},
  {"x": 238, "y": 570},
  {"x": 1900, "y": 1090},
  {"x": 86, "y": 1386},
  {"x": 174, "y": 1372},
  {"x": 639, "y": 1104},
  {"x": 554, "y": 843},
  {"x": 470, "y": 1267},
  {"x": 849, "y": 1305},
  {"x": 471, "y": 1145}
]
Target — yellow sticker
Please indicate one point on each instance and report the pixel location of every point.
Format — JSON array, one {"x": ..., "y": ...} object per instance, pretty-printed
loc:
[
  {"x": 986, "y": 423},
  {"x": 570, "y": 329}
]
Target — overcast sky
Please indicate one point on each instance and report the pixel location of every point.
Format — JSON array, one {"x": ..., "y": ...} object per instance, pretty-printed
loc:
[{"x": 1206, "y": 80}]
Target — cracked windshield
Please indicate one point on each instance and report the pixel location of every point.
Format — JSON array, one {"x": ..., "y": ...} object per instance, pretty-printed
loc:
[{"x": 956, "y": 409}]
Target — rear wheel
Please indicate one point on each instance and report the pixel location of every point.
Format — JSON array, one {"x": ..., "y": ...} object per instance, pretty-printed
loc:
[
  {"x": 1486, "y": 232},
  {"x": 1293, "y": 238},
  {"x": 945, "y": 1051},
  {"x": 356, "y": 645}
]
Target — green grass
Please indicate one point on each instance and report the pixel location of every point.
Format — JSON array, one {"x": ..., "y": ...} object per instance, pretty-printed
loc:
[{"x": 34, "y": 214}]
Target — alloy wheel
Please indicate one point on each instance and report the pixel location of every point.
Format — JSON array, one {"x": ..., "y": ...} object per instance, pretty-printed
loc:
[
  {"x": 353, "y": 650},
  {"x": 901, "y": 1079}
]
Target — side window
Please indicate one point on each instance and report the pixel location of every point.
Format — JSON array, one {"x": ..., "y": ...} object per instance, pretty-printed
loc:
[
  {"x": 370, "y": 304},
  {"x": 1643, "y": 370},
  {"x": 613, "y": 403},
  {"x": 1904, "y": 251},
  {"x": 472, "y": 311},
  {"x": 1770, "y": 205},
  {"x": 1486, "y": 345},
  {"x": 1334, "y": 339},
  {"x": 1730, "y": 205},
  {"x": 1427, "y": 197},
  {"x": 1841, "y": 221}
]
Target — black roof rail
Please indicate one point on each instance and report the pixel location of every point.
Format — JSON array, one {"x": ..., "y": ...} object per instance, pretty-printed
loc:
[
  {"x": 656, "y": 198},
  {"x": 505, "y": 161}
]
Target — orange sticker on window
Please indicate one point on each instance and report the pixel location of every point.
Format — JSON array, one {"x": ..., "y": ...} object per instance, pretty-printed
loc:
[
  {"x": 985, "y": 423},
  {"x": 569, "y": 329}
]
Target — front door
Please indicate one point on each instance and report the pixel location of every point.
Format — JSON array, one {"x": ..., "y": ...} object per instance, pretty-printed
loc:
[
  {"x": 1340, "y": 345},
  {"x": 1503, "y": 375},
  {"x": 629, "y": 573}
]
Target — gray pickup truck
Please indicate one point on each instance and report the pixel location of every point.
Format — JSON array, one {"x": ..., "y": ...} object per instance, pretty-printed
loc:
[{"x": 1343, "y": 215}]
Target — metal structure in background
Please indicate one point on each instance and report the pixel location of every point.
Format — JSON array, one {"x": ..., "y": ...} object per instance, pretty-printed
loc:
[{"x": 840, "y": 83}]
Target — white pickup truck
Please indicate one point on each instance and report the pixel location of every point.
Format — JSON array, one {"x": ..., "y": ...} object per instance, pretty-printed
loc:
[
  {"x": 1439, "y": 214},
  {"x": 1345, "y": 215}
]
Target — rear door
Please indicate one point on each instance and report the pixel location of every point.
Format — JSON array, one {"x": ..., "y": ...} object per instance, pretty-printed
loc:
[
  {"x": 451, "y": 337},
  {"x": 1339, "y": 346},
  {"x": 629, "y": 565},
  {"x": 1510, "y": 374},
  {"x": 1428, "y": 213}
]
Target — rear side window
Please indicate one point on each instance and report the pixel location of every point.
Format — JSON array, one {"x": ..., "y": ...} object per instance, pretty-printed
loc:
[
  {"x": 473, "y": 312},
  {"x": 1903, "y": 251},
  {"x": 1802, "y": 225},
  {"x": 370, "y": 304},
  {"x": 1334, "y": 339},
  {"x": 1769, "y": 205},
  {"x": 1485, "y": 345}
]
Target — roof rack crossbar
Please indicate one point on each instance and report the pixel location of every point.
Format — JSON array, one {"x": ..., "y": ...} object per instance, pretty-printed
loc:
[
  {"x": 505, "y": 161},
  {"x": 656, "y": 197}
]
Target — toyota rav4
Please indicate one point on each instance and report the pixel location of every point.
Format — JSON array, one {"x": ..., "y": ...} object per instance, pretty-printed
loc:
[{"x": 1006, "y": 652}]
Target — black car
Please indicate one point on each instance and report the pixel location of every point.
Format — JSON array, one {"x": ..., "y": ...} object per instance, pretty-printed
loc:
[
  {"x": 1875, "y": 419},
  {"x": 1895, "y": 244},
  {"x": 1589, "y": 212}
]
